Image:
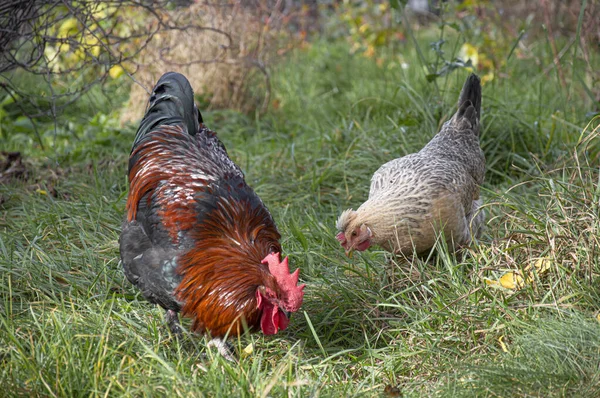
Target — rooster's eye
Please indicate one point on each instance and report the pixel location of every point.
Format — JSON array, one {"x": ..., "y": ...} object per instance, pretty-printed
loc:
[
  {"x": 353, "y": 233},
  {"x": 272, "y": 249}
]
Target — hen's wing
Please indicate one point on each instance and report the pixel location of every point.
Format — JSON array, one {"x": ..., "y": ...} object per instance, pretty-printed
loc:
[
  {"x": 398, "y": 176},
  {"x": 452, "y": 160}
]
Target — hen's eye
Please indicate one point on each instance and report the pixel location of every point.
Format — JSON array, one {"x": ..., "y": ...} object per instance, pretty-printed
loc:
[
  {"x": 272, "y": 249},
  {"x": 353, "y": 233}
]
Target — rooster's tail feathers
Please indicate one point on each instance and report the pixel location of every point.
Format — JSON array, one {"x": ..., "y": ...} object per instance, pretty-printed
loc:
[
  {"x": 171, "y": 103},
  {"x": 469, "y": 102}
]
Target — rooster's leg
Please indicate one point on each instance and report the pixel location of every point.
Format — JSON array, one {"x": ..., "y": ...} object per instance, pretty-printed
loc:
[
  {"x": 173, "y": 321},
  {"x": 224, "y": 347}
]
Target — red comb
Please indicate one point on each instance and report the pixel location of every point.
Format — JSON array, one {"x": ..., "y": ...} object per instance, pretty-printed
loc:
[{"x": 287, "y": 281}]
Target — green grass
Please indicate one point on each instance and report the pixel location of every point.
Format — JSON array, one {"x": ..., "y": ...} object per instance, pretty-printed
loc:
[{"x": 71, "y": 325}]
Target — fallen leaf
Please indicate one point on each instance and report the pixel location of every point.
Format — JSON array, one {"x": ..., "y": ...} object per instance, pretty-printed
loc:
[
  {"x": 542, "y": 265},
  {"x": 511, "y": 280},
  {"x": 248, "y": 350},
  {"x": 491, "y": 282},
  {"x": 391, "y": 391},
  {"x": 503, "y": 345}
]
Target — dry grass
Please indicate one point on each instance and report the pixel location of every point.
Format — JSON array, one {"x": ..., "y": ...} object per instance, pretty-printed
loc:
[{"x": 221, "y": 48}]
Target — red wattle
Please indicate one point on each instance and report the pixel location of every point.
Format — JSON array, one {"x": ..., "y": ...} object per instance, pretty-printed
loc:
[
  {"x": 272, "y": 319},
  {"x": 363, "y": 245},
  {"x": 283, "y": 320}
]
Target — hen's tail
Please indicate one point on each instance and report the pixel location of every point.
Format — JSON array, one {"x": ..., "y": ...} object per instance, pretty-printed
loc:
[
  {"x": 469, "y": 102},
  {"x": 172, "y": 104}
]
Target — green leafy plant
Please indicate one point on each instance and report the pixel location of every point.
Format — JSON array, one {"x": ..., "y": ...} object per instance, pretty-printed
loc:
[{"x": 371, "y": 26}]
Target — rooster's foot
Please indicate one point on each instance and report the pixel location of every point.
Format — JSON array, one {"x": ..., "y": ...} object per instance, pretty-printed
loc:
[
  {"x": 173, "y": 322},
  {"x": 224, "y": 347}
]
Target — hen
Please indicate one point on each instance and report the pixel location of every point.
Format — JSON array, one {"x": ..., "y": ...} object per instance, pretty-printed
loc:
[
  {"x": 197, "y": 239},
  {"x": 415, "y": 197}
]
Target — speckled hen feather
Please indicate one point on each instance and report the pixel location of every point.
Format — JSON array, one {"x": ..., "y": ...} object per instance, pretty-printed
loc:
[
  {"x": 436, "y": 189},
  {"x": 195, "y": 233}
]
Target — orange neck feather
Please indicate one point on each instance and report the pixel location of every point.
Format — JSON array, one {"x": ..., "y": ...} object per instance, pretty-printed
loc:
[{"x": 222, "y": 271}]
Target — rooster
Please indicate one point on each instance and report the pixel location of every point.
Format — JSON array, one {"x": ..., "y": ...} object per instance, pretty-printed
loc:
[
  {"x": 415, "y": 197},
  {"x": 197, "y": 240}
]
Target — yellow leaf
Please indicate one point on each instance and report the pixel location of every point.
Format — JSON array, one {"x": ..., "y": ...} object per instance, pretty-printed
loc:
[
  {"x": 363, "y": 28},
  {"x": 102, "y": 11},
  {"x": 488, "y": 77},
  {"x": 503, "y": 345},
  {"x": 96, "y": 51},
  {"x": 93, "y": 44},
  {"x": 51, "y": 55},
  {"x": 116, "y": 71},
  {"x": 491, "y": 282},
  {"x": 67, "y": 28},
  {"x": 542, "y": 265},
  {"x": 77, "y": 55},
  {"x": 63, "y": 48},
  {"x": 41, "y": 191},
  {"x": 469, "y": 51},
  {"x": 370, "y": 51},
  {"x": 248, "y": 350},
  {"x": 511, "y": 280},
  {"x": 598, "y": 317}
]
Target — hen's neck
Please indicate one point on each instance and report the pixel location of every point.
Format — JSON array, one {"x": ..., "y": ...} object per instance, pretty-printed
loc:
[{"x": 394, "y": 223}]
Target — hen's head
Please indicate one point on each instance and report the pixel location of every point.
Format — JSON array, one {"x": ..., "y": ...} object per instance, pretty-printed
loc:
[
  {"x": 353, "y": 234},
  {"x": 276, "y": 307}
]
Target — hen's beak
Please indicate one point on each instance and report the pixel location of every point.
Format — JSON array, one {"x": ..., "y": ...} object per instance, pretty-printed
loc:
[{"x": 349, "y": 252}]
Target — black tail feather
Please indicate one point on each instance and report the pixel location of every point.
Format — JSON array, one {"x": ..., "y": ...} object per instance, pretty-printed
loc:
[
  {"x": 469, "y": 102},
  {"x": 171, "y": 103}
]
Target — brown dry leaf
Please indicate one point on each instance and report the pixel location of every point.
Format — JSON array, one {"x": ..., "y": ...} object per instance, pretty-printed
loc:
[
  {"x": 12, "y": 167},
  {"x": 392, "y": 391}
]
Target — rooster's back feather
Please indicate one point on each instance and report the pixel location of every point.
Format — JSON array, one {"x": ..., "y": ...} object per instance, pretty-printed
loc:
[
  {"x": 193, "y": 225},
  {"x": 171, "y": 104}
]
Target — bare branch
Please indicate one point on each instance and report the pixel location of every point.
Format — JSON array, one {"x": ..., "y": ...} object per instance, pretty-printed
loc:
[{"x": 73, "y": 45}]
